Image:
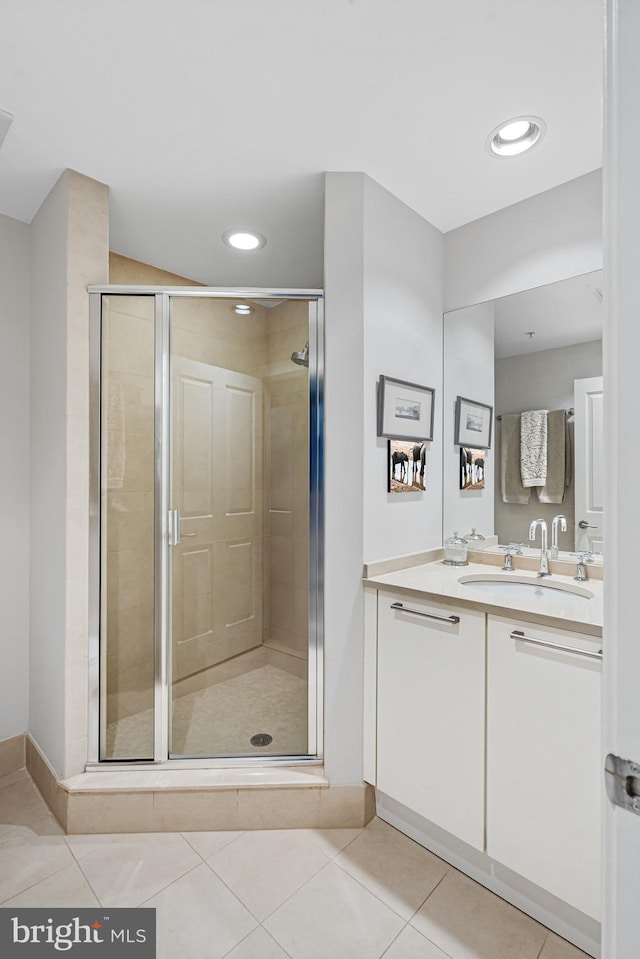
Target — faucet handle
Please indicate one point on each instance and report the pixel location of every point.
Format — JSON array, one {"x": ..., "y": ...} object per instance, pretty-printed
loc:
[{"x": 517, "y": 547}]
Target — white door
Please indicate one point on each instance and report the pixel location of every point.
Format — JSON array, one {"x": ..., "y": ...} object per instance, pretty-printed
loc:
[
  {"x": 621, "y": 664},
  {"x": 588, "y": 400},
  {"x": 217, "y": 487}
]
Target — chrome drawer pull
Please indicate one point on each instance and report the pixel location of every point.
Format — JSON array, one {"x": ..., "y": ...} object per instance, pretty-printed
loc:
[
  {"x": 418, "y": 612},
  {"x": 518, "y": 634}
]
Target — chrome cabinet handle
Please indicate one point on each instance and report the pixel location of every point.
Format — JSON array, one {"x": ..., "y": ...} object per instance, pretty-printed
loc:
[
  {"x": 187, "y": 534},
  {"x": 419, "y": 612},
  {"x": 518, "y": 634},
  {"x": 584, "y": 525}
]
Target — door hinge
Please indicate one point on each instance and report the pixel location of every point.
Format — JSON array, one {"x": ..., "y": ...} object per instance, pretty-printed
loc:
[{"x": 622, "y": 781}]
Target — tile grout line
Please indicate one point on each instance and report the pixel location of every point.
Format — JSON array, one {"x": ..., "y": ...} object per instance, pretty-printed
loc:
[
  {"x": 295, "y": 891},
  {"x": 229, "y": 843},
  {"x": 360, "y": 883},
  {"x": 158, "y": 891},
  {"x": 56, "y": 872}
]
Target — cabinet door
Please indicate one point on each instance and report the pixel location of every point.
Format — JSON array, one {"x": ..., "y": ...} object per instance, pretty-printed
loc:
[
  {"x": 543, "y": 760},
  {"x": 431, "y": 715}
]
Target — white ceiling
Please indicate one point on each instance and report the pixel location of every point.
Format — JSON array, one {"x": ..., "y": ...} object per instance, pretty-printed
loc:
[
  {"x": 559, "y": 314},
  {"x": 207, "y": 114}
]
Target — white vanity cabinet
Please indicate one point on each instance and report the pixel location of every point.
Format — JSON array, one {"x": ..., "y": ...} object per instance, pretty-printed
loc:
[
  {"x": 544, "y": 774},
  {"x": 431, "y": 711}
]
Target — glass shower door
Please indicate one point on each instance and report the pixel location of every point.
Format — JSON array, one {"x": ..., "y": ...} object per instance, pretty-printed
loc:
[{"x": 232, "y": 692}]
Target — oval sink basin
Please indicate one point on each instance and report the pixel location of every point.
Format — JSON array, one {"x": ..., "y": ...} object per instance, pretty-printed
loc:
[{"x": 524, "y": 587}]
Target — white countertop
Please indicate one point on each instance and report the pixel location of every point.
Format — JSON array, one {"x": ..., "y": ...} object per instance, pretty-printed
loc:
[{"x": 440, "y": 582}]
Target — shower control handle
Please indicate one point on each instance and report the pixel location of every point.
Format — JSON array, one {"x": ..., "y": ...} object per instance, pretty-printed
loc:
[{"x": 173, "y": 526}]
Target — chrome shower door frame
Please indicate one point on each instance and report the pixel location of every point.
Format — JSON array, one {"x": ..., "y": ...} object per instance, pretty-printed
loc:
[{"x": 162, "y": 550}]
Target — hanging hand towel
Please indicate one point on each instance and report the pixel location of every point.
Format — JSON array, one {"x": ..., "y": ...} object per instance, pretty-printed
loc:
[
  {"x": 558, "y": 459},
  {"x": 533, "y": 447},
  {"x": 512, "y": 488}
]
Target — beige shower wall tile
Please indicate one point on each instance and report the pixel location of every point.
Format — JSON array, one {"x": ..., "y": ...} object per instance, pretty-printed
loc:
[
  {"x": 77, "y": 618},
  {"x": 130, "y": 579},
  {"x": 128, "y": 402},
  {"x": 88, "y": 221},
  {"x": 76, "y": 696},
  {"x": 77, "y": 538},
  {"x": 130, "y": 343},
  {"x": 78, "y": 457},
  {"x": 75, "y": 758},
  {"x": 124, "y": 271},
  {"x": 282, "y": 607},
  {"x": 131, "y": 529},
  {"x": 281, "y": 550},
  {"x": 130, "y": 636}
]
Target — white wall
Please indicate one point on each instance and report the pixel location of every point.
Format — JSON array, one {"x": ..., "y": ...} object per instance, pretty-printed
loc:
[
  {"x": 549, "y": 237},
  {"x": 402, "y": 339},
  {"x": 541, "y": 380},
  {"x": 48, "y": 473},
  {"x": 15, "y": 253},
  {"x": 469, "y": 372},
  {"x": 383, "y": 267}
]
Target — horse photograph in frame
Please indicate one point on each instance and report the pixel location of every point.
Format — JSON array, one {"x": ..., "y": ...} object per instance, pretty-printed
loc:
[{"x": 406, "y": 467}]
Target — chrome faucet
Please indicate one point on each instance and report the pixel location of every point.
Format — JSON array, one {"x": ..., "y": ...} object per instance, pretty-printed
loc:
[
  {"x": 544, "y": 552},
  {"x": 562, "y": 522}
]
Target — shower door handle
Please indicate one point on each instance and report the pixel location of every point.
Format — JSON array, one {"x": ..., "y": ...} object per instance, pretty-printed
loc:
[{"x": 173, "y": 526}]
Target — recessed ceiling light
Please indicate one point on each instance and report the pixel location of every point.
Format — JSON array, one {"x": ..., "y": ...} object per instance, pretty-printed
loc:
[
  {"x": 244, "y": 239},
  {"x": 515, "y": 136},
  {"x": 242, "y": 309}
]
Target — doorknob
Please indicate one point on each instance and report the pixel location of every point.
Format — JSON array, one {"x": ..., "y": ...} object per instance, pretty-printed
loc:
[{"x": 584, "y": 525}]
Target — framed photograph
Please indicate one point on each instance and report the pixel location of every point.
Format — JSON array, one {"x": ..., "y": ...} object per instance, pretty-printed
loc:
[
  {"x": 406, "y": 467},
  {"x": 473, "y": 424},
  {"x": 405, "y": 410},
  {"x": 472, "y": 464}
]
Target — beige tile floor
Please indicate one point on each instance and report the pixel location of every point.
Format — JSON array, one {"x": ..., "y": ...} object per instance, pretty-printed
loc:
[
  {"x": 221, "y": 719},
  {"x": 302, "y": 894}
]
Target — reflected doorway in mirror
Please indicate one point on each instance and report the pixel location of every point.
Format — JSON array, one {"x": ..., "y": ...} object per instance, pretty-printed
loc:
[{"x": 472, "y": 466}]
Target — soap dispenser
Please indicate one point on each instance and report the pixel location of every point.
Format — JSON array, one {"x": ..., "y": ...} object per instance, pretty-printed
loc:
[{"x": 455, "y": 551}]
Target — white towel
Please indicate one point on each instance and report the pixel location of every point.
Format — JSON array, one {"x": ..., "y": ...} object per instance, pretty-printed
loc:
[{"x": 533, "y": 448}]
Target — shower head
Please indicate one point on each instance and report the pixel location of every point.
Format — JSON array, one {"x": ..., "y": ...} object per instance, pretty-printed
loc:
[{"x": 301, "y": 357}]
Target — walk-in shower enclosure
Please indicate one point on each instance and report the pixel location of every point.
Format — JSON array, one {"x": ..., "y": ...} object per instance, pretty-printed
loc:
[{"x": 206, "y": 526}]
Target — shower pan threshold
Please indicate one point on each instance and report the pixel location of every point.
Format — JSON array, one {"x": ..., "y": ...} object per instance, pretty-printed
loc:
[{"x": 193, "y": 800}]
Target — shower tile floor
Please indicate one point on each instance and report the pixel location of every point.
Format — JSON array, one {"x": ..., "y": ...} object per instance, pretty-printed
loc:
[
  {"x": 302, "y": 894},
  {"x": 221, "y": 719}
]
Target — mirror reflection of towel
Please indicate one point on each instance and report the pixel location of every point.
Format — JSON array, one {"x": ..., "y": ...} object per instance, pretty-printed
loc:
[
  {"x": 512, "y": 488},
  {"x": 533, "y": 447},
  {"x": 558, "y": 459}
]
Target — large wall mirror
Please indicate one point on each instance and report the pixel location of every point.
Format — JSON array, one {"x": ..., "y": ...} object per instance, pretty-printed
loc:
[{"x": 540, "y": 349}]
